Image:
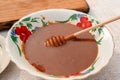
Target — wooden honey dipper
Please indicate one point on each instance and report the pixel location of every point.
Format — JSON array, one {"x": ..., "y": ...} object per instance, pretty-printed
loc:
[{"x": 59, "y": 40}]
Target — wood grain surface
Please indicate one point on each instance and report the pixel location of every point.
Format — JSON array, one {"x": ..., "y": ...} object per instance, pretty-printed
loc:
[{"x": 15, "y": 9}]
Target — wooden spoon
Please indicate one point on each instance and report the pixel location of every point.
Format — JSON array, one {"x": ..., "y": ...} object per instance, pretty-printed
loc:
[{"x": 55, "y": 41}]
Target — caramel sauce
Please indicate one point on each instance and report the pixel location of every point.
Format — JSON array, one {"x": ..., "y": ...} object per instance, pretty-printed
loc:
[{"x": 75, "y": 56}]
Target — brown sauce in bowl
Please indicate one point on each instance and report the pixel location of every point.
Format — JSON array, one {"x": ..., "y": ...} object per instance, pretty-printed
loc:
[{"x": 75, "y": 56}]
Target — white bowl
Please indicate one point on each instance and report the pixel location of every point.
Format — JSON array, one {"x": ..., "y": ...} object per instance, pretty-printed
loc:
[
  {"x": 4, "y": 56},
  {"x": 42, "y": 18}
]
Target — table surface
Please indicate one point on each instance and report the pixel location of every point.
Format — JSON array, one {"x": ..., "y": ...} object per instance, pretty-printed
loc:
[{"x": 100, "y": 9}]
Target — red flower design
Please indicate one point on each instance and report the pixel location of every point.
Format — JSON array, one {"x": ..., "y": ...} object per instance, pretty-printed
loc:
[
  {"x": 84, "y": 23},
  {"x": 23, "y": 32}
]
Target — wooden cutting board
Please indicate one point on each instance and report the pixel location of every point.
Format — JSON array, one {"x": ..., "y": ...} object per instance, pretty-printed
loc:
[{"x": 12, "y": 10}]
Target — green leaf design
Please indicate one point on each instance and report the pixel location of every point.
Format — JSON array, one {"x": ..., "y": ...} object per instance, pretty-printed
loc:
[
  {"x": 20, "y": 23},
  {"x": 99, "y": 41},
  {"x": 97, "y": 22},
  {"x": 93, "y": 30},
  {"x": 100, "y": 30},
  {"x": 14, "y": 38},
  {"x": 92, "y": 67},
  {"x": 33, "y": 30},
  {"x": 29, "y": 25},
  {"x": 27, "y": 19},
  {"x": 44, "y": 23},
  {"x": 19, "y": 49},
  {"x": 34, "y": 20},
  {"x": 13, "y": 28},
  {"x": 92, "y": 20},
  {"x": 73, "y": 17}
]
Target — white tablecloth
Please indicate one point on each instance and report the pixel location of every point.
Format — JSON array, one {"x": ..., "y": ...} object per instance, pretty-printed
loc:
[{"x": 100, "y": 9}]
